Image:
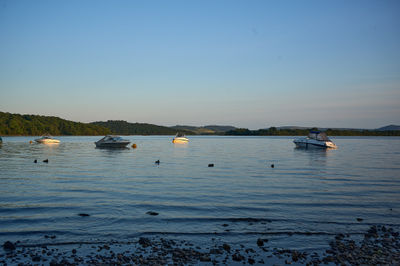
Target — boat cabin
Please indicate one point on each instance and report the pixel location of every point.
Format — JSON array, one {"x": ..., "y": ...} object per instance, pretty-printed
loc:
[{"x": 317, "y": 135}]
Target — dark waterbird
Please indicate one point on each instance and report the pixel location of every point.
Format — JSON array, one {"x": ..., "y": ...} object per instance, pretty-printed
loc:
[
  {"x": 157, "y": 162},
  {"x": 35, "y": 161},
  {"x": 211, "y": 165},
  {"x": 46, "y": 161}
]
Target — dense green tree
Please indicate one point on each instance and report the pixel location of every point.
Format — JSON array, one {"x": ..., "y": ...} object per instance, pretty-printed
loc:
[
  {"x": 121, "y": 127},
  {"x": 17, "y": 125},
  {"x": 272, "y": 131}
]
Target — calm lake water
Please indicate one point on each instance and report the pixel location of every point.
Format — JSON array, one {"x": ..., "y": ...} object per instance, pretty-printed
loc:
[{"x": 306, "y": 198}]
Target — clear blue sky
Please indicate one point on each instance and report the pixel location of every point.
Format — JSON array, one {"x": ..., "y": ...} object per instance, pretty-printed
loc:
[{"x": 251, "y": 64}]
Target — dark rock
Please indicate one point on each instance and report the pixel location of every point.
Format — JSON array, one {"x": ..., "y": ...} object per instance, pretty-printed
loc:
[
  {"x": 36, "y": 258},
  {"x": 205, "y": 258},
  {"x": 237, "y": 257},
  {"x": 215, "y": 251},
  {"x": 226, "y": 247},
  {"x": 144, "y": 242},
  {"x": 9, "y": 246},
  {"x": 260, "y": 242},
  {"x": 83, "y": 214},
  {"x": 74, "y": 251},
  {"x": 251, "y": 261},
  {"x": 225, "y": 225},
  {"x": 152, "y": 213},
  {"x": 339, "y": 236},
  {"x": 210, "y": 165},
  {"x": 360, "y": 219},
  {"x": 295, "y": 255}
]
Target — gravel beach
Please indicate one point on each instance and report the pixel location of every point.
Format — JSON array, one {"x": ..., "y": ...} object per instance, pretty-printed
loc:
[{"x": 379, "y": 245}]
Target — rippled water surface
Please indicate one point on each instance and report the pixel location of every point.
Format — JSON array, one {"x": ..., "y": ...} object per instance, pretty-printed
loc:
[{"x": 310, "y": 192}]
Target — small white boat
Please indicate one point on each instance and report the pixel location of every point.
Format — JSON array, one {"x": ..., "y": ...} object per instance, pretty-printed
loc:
[
  {"x": 47, "y": 139},
  {"x": 180, "y": 138},
  {"x": 112, "y": 141},
  {"x": 315, "y": 139}
]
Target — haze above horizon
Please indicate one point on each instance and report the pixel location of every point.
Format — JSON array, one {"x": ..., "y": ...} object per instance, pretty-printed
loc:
[{"x": 251, "y": 64}]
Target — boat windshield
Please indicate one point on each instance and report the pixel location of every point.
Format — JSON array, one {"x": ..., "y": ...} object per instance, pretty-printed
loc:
[
  {"x": 112, "y": 138},
  {"x": 178, "y": 135},
  {"x": 318, "y": 135}
]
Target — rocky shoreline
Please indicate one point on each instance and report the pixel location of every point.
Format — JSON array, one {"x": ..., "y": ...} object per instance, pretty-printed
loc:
[{"x": 380, "y": 245}]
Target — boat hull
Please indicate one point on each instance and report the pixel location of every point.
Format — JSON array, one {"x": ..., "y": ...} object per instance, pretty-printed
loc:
[
  {"x": 314, "y": 144},
  {"x": 119, "y": 145},
  {"x": 47, "y": 141},
  {"x": 180, "y": 140}
]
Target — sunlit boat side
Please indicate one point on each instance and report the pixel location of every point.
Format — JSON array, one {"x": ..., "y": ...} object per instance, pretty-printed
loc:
[
  {"x": 180, "y": 138},
  {"x": 47, "y": 139}
]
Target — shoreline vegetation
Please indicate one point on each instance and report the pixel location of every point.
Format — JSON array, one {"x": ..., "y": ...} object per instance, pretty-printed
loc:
[{"x": 36, "y": 125}]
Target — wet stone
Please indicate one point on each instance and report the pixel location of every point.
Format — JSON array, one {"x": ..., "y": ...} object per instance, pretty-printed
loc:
[
  {"x": 144, "y": 242},
  {"x": 8, "y": 246},
  {"x": 237, "y": 257},
  {"x": 36, "y": 258},
  {"x": 226, "y": 247}
]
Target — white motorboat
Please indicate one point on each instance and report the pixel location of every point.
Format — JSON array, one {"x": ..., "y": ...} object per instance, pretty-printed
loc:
[
  {"x": 315, "y": 139},
  {"x": 180, "y": 138},
  {"x": 112, "y": 141},
  {"x": 47, "y": 139}
]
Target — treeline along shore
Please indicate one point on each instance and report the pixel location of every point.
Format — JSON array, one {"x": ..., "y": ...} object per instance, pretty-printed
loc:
[{"x": 36, "y": 125}]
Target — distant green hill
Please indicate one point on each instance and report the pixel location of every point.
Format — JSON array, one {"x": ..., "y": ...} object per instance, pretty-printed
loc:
[
  {"x": 220, "y": 128},
  {"x": 121, "y": 127},
  {"x": 36, "y": 125},
  {"x": 206, "y": 130},
  {"x": 299, "y": 131},
  {"x": 196, "y": 130},
  {"x": 389, "y": 127}
]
